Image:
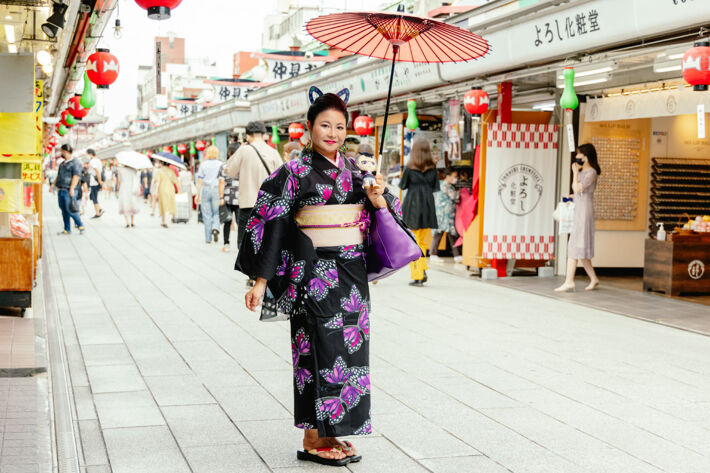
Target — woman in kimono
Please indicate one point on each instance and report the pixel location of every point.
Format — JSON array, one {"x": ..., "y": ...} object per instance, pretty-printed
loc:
[{"x": 304, "y": 246}]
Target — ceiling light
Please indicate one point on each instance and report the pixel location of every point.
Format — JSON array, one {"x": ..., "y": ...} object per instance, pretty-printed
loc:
[
  {"x": 675, "y": 56},
  {"x": 117, "y": 31},
  {"x": 8, "y": 17},
  {"x": 547, "y": 106},
  {"x": 43, "y": 57},
  {"x": 589, "y": 72},
  {"x": 594, "y": 80},
  {"x": 666, "y": 68},
  {"x": 12, "y": 48},
  {"x": 55, "y": 21},
  {"x": 10, "y": 33},
  {"x": 47, "y": 69}
]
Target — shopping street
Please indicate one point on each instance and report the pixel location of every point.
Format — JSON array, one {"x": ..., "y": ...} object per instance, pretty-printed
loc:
[{"x": 170, "y": 373}]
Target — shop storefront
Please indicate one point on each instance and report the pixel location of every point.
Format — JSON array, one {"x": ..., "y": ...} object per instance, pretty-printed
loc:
[{"x": 20, "y": 181}]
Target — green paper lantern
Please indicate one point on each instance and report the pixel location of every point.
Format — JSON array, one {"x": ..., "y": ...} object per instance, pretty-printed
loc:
[
  {"x": 214, "y": 141},
  {"x": 88, "y": 99},
  {"x": 62, "y": 130},
  {"x": 569, "y": 100},
  {"x": 69, "y": 119},
  {"x": 193, "y": 151},
  {"x": 412, "y": 121},
  {"x": 275, "y": 138},
  {"x": 175, "y": 150}
]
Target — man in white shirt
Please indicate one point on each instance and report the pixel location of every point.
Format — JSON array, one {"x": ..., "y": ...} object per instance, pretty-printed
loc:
[
  {"x": 96, "y": 183},
  {"x": 251, "y": 164}
]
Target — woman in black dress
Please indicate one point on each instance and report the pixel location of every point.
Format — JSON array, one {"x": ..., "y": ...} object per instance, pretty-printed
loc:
[{"x": 421, "y": 180}]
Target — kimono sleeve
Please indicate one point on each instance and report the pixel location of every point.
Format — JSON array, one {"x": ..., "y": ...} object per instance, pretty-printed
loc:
[{"x": 270, "y": 226}]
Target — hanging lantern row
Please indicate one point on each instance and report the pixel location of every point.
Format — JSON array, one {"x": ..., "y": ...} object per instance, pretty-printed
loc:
[
  {"x": 67, "y": 120},
  {"x": 200, "y": 145},
  {"x": 696, "y": 66},
  {"x": 102, "y": 68},
  {"x": 181, "y": 148},
  {"x": 363, "y": 125},
  {"x": 158, "y": 9},
  {"x": 476, "y": 101},
  {"x": 296, "y": 131}
]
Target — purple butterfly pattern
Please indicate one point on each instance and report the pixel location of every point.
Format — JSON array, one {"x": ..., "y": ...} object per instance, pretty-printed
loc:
[
  {"x": 339, "y": 374},
  {"x": 305, "y": 425},
  {"x": 355, "y": 302},
  {"x": 260, "y": 216},
  {"x": 355, "y": 334},
  {"x": 365, "y": 429},
  {"x": 298, "y": 167},
  {"x": 291, "y": 190},
  {"x": 335, "y": 322},
  {"x": 331, "y": 409},
  {"x": 332, "y": 173},
  {"x": 294, "y": 270},
  {"x": 352, "y": 251},
  {"x": 326, "y": 278},
  {"x": 300, "y": 346}
]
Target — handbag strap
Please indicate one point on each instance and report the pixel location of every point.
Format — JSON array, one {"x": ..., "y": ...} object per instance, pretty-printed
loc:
[{"x": 260, "y": 158}]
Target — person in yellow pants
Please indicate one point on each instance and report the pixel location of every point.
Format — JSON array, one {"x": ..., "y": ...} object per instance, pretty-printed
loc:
[
  {"x": 420, "y": 179},
  {"x": 417, "y": 269}
]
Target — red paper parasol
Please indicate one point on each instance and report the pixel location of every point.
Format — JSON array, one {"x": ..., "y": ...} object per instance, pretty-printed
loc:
[{"x": 398, "y": 37}]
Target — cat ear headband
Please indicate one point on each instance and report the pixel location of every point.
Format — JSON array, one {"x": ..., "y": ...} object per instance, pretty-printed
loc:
[{"x": 314, "y": 92}]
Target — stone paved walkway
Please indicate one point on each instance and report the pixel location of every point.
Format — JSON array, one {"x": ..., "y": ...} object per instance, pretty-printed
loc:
[{"x": 171, "y": 373}]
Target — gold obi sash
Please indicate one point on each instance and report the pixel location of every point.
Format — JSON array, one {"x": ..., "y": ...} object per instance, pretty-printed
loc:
[{"x": 332, "y": 225}]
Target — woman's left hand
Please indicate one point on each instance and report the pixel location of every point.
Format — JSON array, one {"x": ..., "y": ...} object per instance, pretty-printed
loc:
[{"x": 374, "y": 193}]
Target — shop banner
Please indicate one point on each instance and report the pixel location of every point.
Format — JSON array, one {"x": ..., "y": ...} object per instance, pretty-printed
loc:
[
  {"x": 661, "y": 103},
  {"x": 32, "y": 172},
  {"x": 520, "y": 191}
]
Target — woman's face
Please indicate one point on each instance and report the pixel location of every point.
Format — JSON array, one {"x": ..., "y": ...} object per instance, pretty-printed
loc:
[
  {"x": 328, "y": 132},
  {"x": 452, "y": 178},
  {"x": 582, "y": 157}
]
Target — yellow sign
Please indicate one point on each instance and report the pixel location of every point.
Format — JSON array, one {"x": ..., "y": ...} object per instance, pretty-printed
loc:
[
  {"x": 32, "y": 172},
  {"x": 39, "y": 105}
]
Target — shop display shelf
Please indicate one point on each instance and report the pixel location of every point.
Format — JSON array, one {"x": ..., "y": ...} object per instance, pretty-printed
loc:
[{"x": 678, "y": 186}]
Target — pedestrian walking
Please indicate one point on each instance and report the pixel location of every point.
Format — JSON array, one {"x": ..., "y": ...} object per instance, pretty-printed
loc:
[
  {"x": 96, "y": 181},
  {"x": 251, "y": 164},
  {"x": 229, "y": 198},
  {"x": 445, "y": 201},
  {"x": 82, "y": 190},
  {"x": 146, "y": 178},
  {"x": 68, "y": 177},
  {"x": 126, "y": 187},
  {"x": 208, "y": 192},
  {"x": 585, "y": 170},
  {"x": 420, "y": 180},
  {"x": 317, "y": 276},
  {"x": 165, "y": 183}
]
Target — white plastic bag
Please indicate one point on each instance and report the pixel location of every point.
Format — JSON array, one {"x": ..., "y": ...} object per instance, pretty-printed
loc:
[{"x": 564, "y": 214}]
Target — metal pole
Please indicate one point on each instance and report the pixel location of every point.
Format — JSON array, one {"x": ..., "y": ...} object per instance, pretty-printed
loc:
[{"x": 395, "y": 50}]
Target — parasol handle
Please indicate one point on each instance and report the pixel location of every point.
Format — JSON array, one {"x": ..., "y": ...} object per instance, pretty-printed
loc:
[{"x": 395, "y": 50}]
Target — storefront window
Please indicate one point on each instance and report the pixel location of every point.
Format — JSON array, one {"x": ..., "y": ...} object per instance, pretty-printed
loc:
[{"x": 392, "y": 154}]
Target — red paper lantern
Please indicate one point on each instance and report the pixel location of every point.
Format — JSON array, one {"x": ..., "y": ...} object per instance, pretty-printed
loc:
[
  {"x": 200, "y": 145},
  {"x": 53, "y": 141},
  {"x": 158, "y": 9},
  {"x": 75, "y": 108},
  {"x": 696, "y": 66},
  {"x": 476, "y": 101},
  {"x": 102, "y": 68},
  {"x": 167, "y": 149},
  {"x": 363, "y": 125},
  {"x": 149, "y": 153},
  {"x": 295, "y": 131},
  {"x": 182, "y": 149}
]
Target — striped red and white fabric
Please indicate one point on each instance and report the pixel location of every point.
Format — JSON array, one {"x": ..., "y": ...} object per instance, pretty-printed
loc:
[
  {"x": 536, "y": 247},
  {"x": 522, "y": 136}
]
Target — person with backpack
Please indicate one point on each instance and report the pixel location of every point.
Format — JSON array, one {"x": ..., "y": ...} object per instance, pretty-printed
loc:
[
  {"x": 96, "y": 181},
  {"x": 251, "y": 164}
]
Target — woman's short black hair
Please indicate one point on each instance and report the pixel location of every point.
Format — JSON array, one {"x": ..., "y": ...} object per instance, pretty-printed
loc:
[
  {"x": 326, "y": 102},
  {"x": 449, "y": 171}
]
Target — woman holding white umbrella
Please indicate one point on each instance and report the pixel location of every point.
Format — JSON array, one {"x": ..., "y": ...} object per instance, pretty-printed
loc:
[{"x": 127, "y": 183}]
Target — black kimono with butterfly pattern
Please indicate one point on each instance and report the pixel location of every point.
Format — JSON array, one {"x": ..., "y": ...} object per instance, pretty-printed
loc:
[{"x": 323, "y": 290}]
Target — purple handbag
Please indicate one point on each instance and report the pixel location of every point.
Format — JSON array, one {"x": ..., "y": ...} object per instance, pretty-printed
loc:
[{"x": 391, "y": 246}]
